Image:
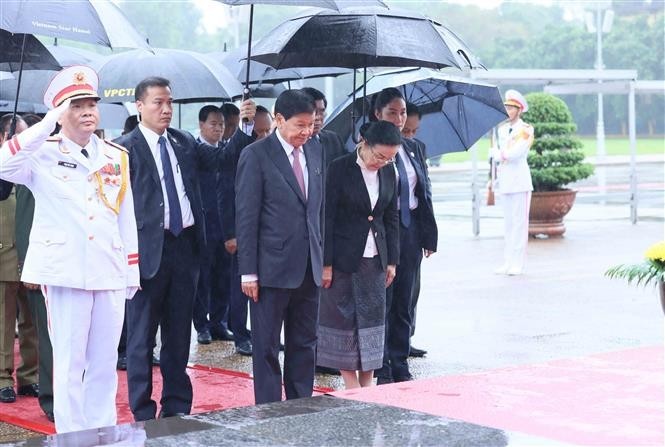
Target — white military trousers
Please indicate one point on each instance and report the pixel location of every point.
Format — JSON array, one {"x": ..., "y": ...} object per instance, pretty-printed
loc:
[
  {"x": 85, "y": 328},
  {"x": 516, "y": 229}
]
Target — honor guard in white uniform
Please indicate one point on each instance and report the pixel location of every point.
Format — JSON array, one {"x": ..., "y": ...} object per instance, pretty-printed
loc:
[
  {"x": 83, "y": 245},
  {"x": 513, "y": 181}
]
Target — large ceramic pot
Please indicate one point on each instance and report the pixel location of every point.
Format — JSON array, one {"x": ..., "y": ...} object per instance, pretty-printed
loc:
[{"x": 547, "y": 211}]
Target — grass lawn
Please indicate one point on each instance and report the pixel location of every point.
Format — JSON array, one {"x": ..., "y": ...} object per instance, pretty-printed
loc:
[{"x": 613, "y": 146}]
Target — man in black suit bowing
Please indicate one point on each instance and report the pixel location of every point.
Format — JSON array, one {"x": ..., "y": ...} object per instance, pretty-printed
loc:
[
  {"x": 171, "y": 231},
  {"x": 279, "y": 206},
  {"x": 332, "y": 144}
]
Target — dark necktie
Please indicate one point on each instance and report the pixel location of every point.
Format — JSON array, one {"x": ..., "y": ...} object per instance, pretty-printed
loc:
[
  {"x": 404, "y": 212},
  {"x": 84, "y": 151},
  {"x": 175, "y": 214}
]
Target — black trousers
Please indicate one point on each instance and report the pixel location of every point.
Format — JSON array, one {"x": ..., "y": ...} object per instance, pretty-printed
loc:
[
  {"x": 166, "y": 300},
  {"x": 398, "y": 303},
  {"x": 238, "y": 306},
  {"x": 298, "y": 310},
  {"x": 37, "y": 305},
  {"x": 211, "y": 306}
]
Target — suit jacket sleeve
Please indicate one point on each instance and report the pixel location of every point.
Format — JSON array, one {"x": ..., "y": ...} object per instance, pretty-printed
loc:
[
  {"x": 391, "y": 221},
  {"x": 248, "y": 200},
  {"x": 5, "y": 189},
  {"x": 226, "y": 191},
  {"x": 331, "y": 200},
  {"x": 129, "y": 235}
]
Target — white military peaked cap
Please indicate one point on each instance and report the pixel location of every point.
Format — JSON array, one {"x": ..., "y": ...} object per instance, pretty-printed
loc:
[
  {"x": 515, "y": 98},
  {"x": 75, "y": 82}
]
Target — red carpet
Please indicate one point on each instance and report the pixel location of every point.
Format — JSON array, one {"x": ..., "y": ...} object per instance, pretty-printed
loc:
[
  {"x": 612, "y": 398},
  {"x": 214, "y": 389}
]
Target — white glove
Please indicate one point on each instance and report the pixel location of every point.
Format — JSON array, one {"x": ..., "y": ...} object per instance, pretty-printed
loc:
[{"x": 35, "y": 135}]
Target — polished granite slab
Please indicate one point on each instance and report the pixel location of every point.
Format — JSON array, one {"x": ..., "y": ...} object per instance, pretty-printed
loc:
[{"x": 317, "y": 421}]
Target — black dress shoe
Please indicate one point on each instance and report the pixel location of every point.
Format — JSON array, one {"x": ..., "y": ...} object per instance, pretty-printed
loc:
[
  {"x": 281, "y": 346},
  {"x": 407, "y": 378},
  {"x": 244, "y": 348},
  {"x": 122, "y": 362},
  {"x": 50, "y": 416},
  {"x": 326, "y": 370},
  {"x": 31, "y": 390},
  {"x": 204, "y": 337},
  {"x": 222, "y": 335},
  {"x": 167, "y": 414},
  {"x": 382, "y": 380},
  {"x": 155, "y": 360},
  {"x": 415, "y": 352},
  {"x": 7, "y": 395}
]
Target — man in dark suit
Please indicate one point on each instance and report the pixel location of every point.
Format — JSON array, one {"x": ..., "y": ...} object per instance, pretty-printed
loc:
[
  {"x": 279, "y": 207},
  {"x": 332, "y": 144},
  {"x": 164, "y": 165},
  {"x": 212, "y": 293}
]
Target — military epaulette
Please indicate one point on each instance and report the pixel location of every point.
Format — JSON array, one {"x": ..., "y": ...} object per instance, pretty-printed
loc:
[
  {"x": 54, "y": 138},
  {"x": 117, "y": 146}
]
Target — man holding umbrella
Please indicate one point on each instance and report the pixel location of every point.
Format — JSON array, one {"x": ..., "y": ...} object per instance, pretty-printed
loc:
[{"x": 83, "y": 244}]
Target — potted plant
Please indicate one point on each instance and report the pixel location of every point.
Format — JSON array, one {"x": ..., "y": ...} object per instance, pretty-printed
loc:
[
  {"x": 555, "y": 160},
  {"x": 649, "y": 271}
]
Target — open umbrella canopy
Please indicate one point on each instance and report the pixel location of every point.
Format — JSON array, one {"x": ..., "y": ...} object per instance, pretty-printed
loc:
[
  {"x": 35, "y": 54},
  {"x": 98, "y": 22},
  {"x": 34, "y": 82},
  {"x": 194, "y": 77},
  {"x": 363, "y": 37},
  {"x": 235, "y": 60},
  {"x": 328, "y": 4},
  {"x": 456, "y": 111}
]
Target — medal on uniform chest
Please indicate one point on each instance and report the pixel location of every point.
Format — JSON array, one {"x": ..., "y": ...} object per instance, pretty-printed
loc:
[{"x": 114, "y": 174}]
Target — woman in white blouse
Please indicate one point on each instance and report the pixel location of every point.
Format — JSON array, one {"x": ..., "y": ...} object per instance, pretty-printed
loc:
[{"x": 361, "y": 251}]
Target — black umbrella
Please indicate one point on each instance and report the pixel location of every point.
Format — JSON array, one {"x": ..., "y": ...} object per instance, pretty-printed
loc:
[
  {"x": 363, "y": 37},
  {"x": 98, "y": 22},
  {"x": 34, "y": 82},
  {"x": 194, "y": 77},
  {"x": 35, "y": 54},
  {"x": 260, "y": 73},
  {"x": 329, "y": 4},
  {"x": 456, "y": 111}
]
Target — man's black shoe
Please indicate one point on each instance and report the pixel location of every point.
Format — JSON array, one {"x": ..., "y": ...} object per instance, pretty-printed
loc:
[
  {"x": 244, "y": 348},
  {"x": 382, "y": 380},
  {"x": 326, "y": 370},
  {"x": 415, "y": 352},
  {"x": 155, "y": 360},
  {"x": 403, "y": 378},
  {"x": 122, "y": 362},
  {"x": 7, "y": 395},
  {"x": 50, "y": 416},
  {"x": 204, "y": 337},
  {"x": 222, "y": 335},
  {"x": 281, "y": 346},
  {"x": 31, "y": 390}
]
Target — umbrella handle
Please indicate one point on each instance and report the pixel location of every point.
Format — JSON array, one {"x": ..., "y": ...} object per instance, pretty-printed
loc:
[
  {"x": 12, "y": 127},
  {"x": 246, "y": 92}
]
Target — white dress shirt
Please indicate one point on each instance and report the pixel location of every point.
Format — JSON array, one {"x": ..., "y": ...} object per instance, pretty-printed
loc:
[
  {"x": 153, "y": 143},
  {"x": 372, "y": 184},
  {"x": 411, "y": 175}
]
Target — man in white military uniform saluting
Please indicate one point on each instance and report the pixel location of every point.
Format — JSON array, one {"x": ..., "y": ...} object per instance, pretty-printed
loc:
[
  {"x": 83, "y": 244},
  {"x": 513, "y": 181}
]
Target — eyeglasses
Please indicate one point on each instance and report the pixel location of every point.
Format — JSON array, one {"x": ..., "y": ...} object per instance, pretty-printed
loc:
[{"x": 380, "y": 158}]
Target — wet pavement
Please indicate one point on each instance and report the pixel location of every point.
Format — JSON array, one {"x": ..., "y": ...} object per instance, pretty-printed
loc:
[{"x": 470, "y": 319}]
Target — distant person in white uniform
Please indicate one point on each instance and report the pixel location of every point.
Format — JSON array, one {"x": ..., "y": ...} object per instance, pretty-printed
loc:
[
  {"x": 83, "y": 244},
  {"x": 513, "y": 181}
]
